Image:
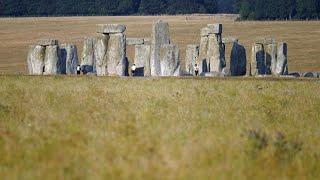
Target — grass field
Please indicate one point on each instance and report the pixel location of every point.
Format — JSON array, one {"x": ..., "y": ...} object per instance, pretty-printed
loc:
[
  {"x": 158, "y": 128},
  {"x": 17, "y": 33}
]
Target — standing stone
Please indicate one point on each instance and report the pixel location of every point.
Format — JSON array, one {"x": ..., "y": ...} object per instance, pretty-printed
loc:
[
  {"x": 69, "y": 57},
  {"x": 169, "y": 55},
  {"x": 52, "y": 63},
  {"x": 160, "y": 36},
  {"x": 271, "y": 58},
  {"x": 282, "y": 59},
  {"x": 258, "y": 60},
  {"x": 116, "y": 54},
  {"x": 215, "y": 53},
  {"x": 142, "y": 60},
  {"x": 202, "y": 60},
  {"x": 87, "y": 60},
  {"x": 35, "y": 59},
  {"x": 100, "y": 52},
  {"x": 238, "y": 60},
  {"x": 192, "y": 54}
]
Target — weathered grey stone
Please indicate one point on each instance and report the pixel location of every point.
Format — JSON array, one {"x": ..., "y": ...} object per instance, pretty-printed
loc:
[
  {"x": 100, "y": 54},
  {"x": 111, "y": 28},
  {"x": 265, "y": 41},
  {"x": 310, "y": 74},
  {"x": 69, "y": 58},
  {"x": 215, "y": 28},
  {"x": 35, "y": 59},
  {"x": 178, "y": 71},
  {"x": 147, "y": 40},
  {"x": 169, "y": 55},
  {"x": 271, "y": 58},
  {"x": 202, "y": 59},
  {"x": 229, "y": 40},
  {"x": 205, "y": 31},
  {"x": 282, "y": 60},
  {"x": 134, "y": 41},
  {"x": 160, "y": 36},
  {"x": 215, "y": 53},
  {"x": 116, "y": 55},
  {"x": 288, "y": 76},
  {"x": 238, "y": 60},
  {"x": 257, "y": 66},
  {"x": 88, "y": 59},
  {"x": 142, "y": 60},
  {"x": 296, "y": 74},
  {"x": 213, "y": 74},
  {"x": 52, "y": 63},
  {"x": 47, "y": 42},
  {"x": 192, "y": 54}
]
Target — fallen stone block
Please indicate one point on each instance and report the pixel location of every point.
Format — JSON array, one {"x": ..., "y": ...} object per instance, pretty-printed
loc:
[
  {"x": 69, "y": 58},
  {"x": 296, "y": 74},
  {"x": 257, "y": 66},
  {"x": 238, "y": 60},
  {"x": 47, "y": 42},
  {"x": 310, "y": 75},
  {"x": 111, "y": 28},
  {"x": 192, "y": 54},
  {"x": 52, "y": 63},
  {"x": 160, "y": 36},
  {"x": 88, "y": 58},
  {"x": 35, "y": 59},
  {"x": 116, "y": 55},
  {"x": 282, "y": 59},
  {"x": 142, "y": 60},
  {"x": 287, "y": 76},
  {"x": 134, "y": 41},
  {"x": 100, "y": 52}
]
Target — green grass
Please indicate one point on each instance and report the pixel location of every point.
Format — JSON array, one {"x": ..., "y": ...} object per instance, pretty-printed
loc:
[{"x": 166, "y": 128}]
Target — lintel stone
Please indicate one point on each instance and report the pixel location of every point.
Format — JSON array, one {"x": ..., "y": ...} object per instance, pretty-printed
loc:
[
  {"x": 47, "y": 42},
  {"x": 111, "y": 28}
]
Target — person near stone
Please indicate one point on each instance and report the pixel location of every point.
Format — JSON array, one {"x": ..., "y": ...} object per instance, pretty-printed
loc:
[
  {"x": 78, "y": 70},
  {"x": 133, "y": 69},
  {"x": 196, "y": 69}
]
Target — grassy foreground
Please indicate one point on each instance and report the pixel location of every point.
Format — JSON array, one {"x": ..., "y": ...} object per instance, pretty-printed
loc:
[{"x": 97, "y": 128}]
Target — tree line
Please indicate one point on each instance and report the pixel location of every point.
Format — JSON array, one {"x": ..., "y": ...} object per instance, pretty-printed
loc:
[
  {"x": 278, "y": 9},
  {"x": 248, "y": 9},
  {"x": 105, "y": 7}
]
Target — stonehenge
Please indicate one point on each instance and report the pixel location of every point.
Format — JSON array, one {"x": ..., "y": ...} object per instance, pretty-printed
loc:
[
  {"x": 105, "y": 54},
  {"x": 269, "y": 58}
]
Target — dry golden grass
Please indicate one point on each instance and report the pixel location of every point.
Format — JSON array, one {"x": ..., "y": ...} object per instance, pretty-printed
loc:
[
  {"x": 166, "y": 128},
  {"x": 17, "y": 33}
]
